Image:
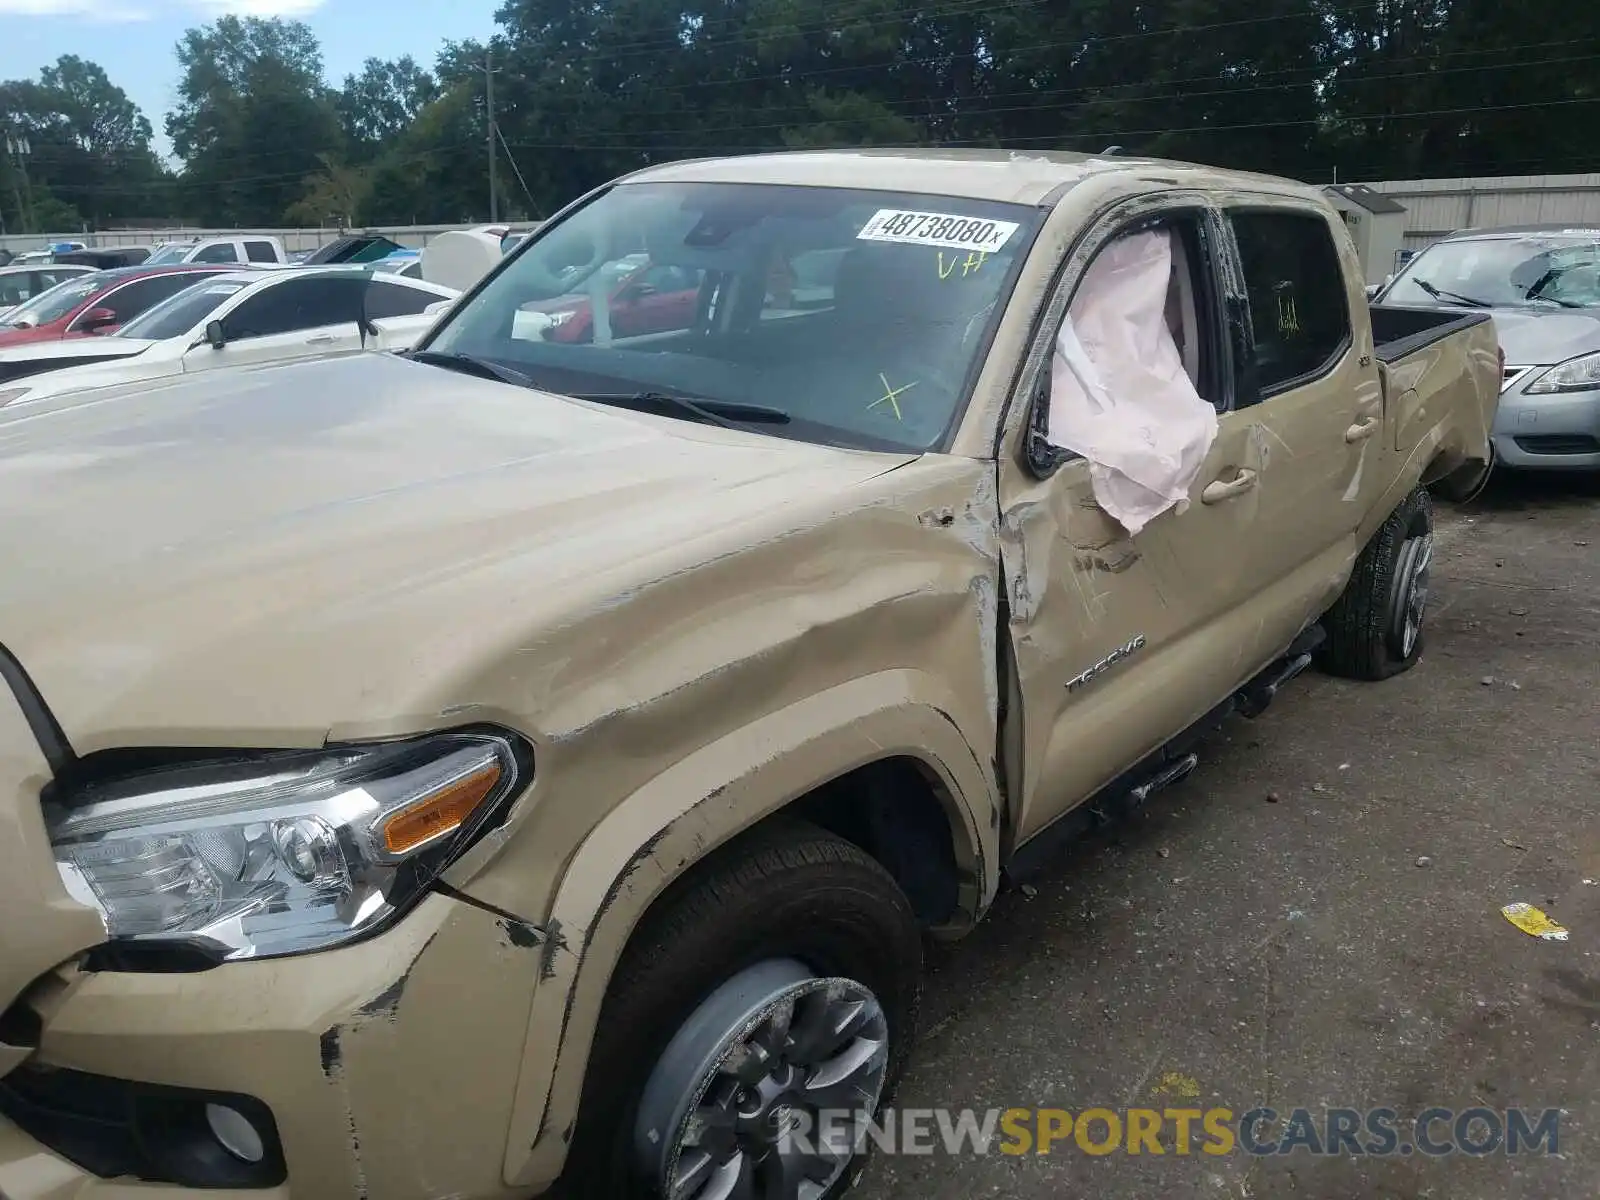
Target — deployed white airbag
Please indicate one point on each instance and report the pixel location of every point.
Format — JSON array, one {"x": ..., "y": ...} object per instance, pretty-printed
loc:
[{"x": 1119, "y": 394}]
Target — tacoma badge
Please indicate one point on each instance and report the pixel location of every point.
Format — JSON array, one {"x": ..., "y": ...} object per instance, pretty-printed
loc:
[{"x": 1106, "y": 663}]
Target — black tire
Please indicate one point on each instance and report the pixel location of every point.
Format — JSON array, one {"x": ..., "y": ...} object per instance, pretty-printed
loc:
[
  {"x": 787, "y": 890},
  {"x": 1363, "y": 641}
]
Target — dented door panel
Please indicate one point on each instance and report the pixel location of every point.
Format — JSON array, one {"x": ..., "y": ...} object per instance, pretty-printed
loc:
[{"x": 1118, "y": 640}]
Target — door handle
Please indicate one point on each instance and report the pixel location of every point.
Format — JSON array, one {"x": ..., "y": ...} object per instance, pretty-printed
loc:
[
  {"x": 323, "y": 339},
  {"x": 1363, "y": 428},
  {"x": 1225, "y": 489}
]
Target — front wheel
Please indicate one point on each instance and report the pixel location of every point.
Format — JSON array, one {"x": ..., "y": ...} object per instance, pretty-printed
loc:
[
  {"x": 755, "y": 1025},
  {"x": 1375, "y": 627}
]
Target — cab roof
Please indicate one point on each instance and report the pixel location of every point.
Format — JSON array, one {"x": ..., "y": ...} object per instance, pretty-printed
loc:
[{"x": 1007, "y": 176}]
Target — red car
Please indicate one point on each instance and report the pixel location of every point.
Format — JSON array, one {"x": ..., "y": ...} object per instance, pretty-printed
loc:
[
  {"x": 648, "y": 299},
  {"x": 98, "y": 303}
]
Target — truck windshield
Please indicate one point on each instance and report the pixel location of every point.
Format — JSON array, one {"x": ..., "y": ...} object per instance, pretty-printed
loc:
[
  {"x": 1535, "y": 271},
  {"x": 172, "y": 252},
  {"x": 858, "y": 315}
]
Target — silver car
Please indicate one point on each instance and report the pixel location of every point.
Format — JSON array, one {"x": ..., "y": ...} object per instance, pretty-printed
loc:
[{"x": 1543, "y": 283}]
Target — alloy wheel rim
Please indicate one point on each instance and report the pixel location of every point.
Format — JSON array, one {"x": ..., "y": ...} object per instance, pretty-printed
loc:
[
  {"x": 1416, "y": 600},
  {"x": 766, "y": 1091}
]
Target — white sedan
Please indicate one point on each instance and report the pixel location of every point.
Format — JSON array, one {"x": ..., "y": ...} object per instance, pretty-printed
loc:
[
  {"x": 231, "y": 320},
  {"x": 21, "y": 283}
]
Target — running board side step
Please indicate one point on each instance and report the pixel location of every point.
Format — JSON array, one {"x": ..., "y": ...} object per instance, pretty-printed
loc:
[
  {"x": 1165, "y": 766},
  {"x": 1255, "y": 696}
]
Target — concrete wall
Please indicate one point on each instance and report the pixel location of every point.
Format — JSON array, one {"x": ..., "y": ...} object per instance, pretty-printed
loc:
[{"x": 415, "y": 236}]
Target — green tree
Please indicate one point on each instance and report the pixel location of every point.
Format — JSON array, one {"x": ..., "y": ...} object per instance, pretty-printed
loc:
[
  {"x": 89, "y": 149},
  {"x": 254, "y": 119},
  {"x": 377, "y": 106},
  {"x": 336, "y": 195}
]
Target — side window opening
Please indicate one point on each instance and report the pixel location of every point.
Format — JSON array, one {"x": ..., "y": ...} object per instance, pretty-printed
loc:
[
  {"x": 217, "y": 252},
  {"x": 1294, "y": 282},
  {"x": 260, "y": 252},
  {"x": 397, "y": 300},
  {"x": 1136, "y": 379}
]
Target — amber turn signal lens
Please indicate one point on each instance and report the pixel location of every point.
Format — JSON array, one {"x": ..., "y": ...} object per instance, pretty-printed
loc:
[{"x": 442, "y": 812}]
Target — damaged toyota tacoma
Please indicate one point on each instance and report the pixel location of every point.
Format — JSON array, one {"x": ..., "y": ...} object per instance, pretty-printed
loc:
[{"x": 532, "y": 764}]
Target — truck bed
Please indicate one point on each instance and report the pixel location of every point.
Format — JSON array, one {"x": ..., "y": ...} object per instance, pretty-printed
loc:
[
  {"x": 1398, "y": 331},
  {"x": 1441, "y": 378}
]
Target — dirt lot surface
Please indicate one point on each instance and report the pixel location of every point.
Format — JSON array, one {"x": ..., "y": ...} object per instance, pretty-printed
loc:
[{"x": 1341, "y": 946}]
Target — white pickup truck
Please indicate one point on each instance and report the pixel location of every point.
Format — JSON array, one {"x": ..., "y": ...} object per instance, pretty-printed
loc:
[{"x": 257, "y": 248}]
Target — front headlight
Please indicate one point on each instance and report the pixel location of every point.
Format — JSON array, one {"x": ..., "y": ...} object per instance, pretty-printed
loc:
[
  {"x": 1574, "y": 375},
  {"x": 282, "y": 853}
]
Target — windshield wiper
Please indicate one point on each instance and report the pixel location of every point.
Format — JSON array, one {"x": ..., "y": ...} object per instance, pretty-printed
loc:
[
  {"x": 1441, "y": 293},
  {"x": 1544, "y": 281},
  {"x": 730, "y": 414},
  {"x": 469, "y": 364}
]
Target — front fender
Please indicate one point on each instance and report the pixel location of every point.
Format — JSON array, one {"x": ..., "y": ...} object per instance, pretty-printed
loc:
[{"x": 688, "y": 810}]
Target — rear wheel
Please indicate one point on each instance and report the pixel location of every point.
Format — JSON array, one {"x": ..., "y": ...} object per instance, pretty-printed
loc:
[
  {"x": 1375, "y": 628},
  {"x": 758, "y": 1019}
]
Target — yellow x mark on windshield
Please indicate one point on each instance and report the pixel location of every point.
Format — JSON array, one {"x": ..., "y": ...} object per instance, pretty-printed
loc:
[{"x": 891, "y": 395}]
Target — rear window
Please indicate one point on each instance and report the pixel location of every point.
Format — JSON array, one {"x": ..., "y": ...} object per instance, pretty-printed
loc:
[
  {"x": 397, "y": 300},
  {"x": 1295, "y": 283},
  {"x": 56, "y": 303},
  {"x": 261, "y": 252},
  {"x": 217, "y": 252},
  {"x": 17, "y": 286}
]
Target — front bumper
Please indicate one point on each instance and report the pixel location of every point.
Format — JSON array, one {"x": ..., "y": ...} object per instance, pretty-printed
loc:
[
  {"x": 1559, "y": 431},
  {"x": 389, "y": 1067}
]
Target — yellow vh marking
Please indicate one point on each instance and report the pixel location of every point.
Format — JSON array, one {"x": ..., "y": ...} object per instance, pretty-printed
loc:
[
  {"x": 891, "y": 395},
  {"x": 974, "y": 260}
]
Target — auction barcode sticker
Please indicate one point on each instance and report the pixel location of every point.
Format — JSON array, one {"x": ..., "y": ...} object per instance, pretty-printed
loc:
[{"x": 936, "y": 229}]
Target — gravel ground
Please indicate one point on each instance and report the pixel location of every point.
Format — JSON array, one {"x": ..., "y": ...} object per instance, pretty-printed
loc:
[{"x": 1340, "y": 947}]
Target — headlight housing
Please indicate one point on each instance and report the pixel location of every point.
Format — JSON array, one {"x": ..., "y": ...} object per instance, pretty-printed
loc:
[
  {"x": 258, "y": 855},
  {"x": 1575, "y": 375}
]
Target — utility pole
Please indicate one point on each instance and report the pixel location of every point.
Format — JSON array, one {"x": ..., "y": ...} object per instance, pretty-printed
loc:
[
  {"x": 488, "y": 106},
  {"x": 17, "y": 149}
]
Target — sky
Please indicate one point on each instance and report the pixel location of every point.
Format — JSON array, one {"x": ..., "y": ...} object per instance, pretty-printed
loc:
[{"x": 133, "y": 39}]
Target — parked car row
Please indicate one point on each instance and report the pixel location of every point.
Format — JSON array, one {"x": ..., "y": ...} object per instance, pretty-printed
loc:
[
  {"x": 73, "y": 311},
  {"x": 97, "y": 328}
]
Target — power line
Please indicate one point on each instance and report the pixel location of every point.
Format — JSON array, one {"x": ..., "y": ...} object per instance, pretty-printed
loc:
[
  {"x": 512, "y": 159},
  {"x": 1312, "y": 75},
  {"x": 702, "y": 147},
  {"x": 1149, "y": 99}
]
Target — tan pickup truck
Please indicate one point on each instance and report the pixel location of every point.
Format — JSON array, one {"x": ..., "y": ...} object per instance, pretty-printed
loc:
[{"x": 535, "y": 762}]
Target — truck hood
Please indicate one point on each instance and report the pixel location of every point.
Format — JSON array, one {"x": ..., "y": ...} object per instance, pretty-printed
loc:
[
  {"x": 1545, "y": 337},
  {"x": 257, "y": 557}
]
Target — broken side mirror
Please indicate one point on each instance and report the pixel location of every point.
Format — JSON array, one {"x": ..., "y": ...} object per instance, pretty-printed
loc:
[{"x": 215, "y": 336}]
